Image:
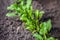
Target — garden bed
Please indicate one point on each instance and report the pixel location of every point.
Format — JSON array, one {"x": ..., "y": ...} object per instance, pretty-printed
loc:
[{"x": 13, "y": 28}]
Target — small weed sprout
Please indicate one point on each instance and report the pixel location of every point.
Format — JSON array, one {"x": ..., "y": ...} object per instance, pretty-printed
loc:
[{"x": 31, "y": 19}]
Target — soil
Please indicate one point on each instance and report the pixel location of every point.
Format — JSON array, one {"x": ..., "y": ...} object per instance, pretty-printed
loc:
[{"x": 13, "y": 28}]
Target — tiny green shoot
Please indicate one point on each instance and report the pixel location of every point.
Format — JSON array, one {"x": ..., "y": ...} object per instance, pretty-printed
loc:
[{"x": 31, "y": 19}]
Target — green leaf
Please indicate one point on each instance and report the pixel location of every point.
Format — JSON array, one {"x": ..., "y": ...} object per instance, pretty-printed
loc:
[
  {"x": 10, "y": 14},
  {"x": 28, "y": 3},
  {"x": 29, "y": 22},
  {"x": 41, "y": 14},
  {"x": 41, "y": 25},
  {"x": 38, "y": 37},
  {"x": 49, "y": 25},
  {"x": 37, "y": 13},
  {"x": 34, "y": 31},
  {"x": 30, "y": 11},
  {"x": 43, "y": 29},
  {"x": 23, "y": 17},
  {"x": 30, "y": 27},
  {"x": 18, "y": 9},
  {"x": 12, "y": 7},
  {"x": 22, "y": 3},
  {"x": 51, "y": 38},
  {"x": 20, "y": 0}
]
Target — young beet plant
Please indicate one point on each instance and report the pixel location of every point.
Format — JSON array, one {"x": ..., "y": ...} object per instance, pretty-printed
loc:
[{"x": 31, "y": 19}]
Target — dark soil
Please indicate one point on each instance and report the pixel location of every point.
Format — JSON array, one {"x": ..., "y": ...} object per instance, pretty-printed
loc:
[{"x": 13, "y": 28}]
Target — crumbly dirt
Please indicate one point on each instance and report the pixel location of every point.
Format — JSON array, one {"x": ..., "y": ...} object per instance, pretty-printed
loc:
[{"x": 13, "y": 28}]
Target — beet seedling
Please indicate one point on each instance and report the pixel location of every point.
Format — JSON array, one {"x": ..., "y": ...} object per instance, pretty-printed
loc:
[{"x": 31, "y": 19}]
